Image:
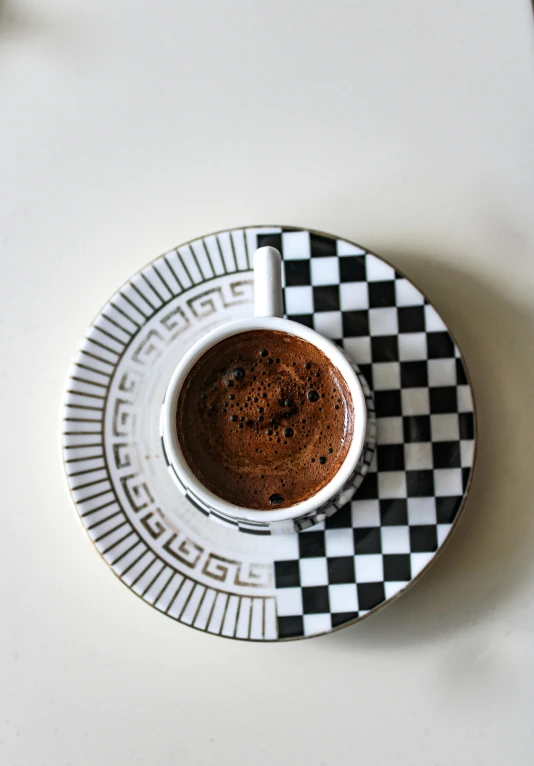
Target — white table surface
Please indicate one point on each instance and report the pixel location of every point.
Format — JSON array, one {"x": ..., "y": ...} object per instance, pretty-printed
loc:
[{"x": 128, "y": 127}]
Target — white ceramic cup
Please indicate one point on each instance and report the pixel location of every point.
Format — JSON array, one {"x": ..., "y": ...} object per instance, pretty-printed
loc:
[{"x": 268, "y": 310}]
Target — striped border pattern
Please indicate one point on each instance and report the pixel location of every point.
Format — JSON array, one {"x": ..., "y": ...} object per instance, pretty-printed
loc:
[
  {"x": 88, "y": 473},
  {"x": 173, "y": 592}
]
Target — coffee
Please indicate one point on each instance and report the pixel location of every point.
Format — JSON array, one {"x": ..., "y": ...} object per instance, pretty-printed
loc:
[{"x": 264, "y": 419}]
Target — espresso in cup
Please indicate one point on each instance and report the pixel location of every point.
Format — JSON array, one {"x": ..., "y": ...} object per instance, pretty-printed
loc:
[{"x": 264, "y": 419}]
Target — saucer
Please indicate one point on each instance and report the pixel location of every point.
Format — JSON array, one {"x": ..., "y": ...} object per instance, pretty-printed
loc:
[{"x": 268, "y": 587}]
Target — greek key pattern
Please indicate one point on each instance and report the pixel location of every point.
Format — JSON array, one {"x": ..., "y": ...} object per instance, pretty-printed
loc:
[
  {"x": 273, "y": 587},
  {"x": 180, "y": 318},
  {"x": 159, "y": 562}
]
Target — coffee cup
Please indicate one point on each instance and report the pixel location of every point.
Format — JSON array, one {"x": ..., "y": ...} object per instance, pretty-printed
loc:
[{"x": 358, "y": 452}]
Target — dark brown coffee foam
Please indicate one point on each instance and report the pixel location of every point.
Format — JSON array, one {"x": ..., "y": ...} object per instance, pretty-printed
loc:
[{"x": 264, "y": 419}]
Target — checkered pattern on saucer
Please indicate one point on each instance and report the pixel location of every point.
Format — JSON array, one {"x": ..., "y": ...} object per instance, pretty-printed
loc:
[
  {"x": 374, "y": 546},
  {"x": 178, "y": 560}
]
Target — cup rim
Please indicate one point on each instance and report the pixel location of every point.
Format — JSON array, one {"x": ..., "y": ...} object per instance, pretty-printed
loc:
[{"x": 170, "y": 433}]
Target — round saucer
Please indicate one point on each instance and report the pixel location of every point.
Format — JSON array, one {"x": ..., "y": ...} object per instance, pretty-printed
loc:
[{"x": 268, "y": 587}]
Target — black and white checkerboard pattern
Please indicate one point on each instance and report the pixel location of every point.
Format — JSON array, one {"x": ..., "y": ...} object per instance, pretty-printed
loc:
[{"x": 374, "y": 546}]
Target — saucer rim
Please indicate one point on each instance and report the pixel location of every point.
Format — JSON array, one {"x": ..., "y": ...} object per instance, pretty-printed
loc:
[{"x": 466, "y": 492}]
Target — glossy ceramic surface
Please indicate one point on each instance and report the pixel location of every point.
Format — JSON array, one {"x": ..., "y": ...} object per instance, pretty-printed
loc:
[{"x": 261, "y": 587}]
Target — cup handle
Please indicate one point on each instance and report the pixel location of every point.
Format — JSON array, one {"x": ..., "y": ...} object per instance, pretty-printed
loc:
[{"x": 268, "y": 283}]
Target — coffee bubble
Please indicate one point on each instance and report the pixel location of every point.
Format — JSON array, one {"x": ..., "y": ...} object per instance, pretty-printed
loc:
[{"x": 281, "y": 436}]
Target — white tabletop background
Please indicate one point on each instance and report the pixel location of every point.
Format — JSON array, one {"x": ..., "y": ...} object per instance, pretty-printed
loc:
[{"x": 128, "y": 127}]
